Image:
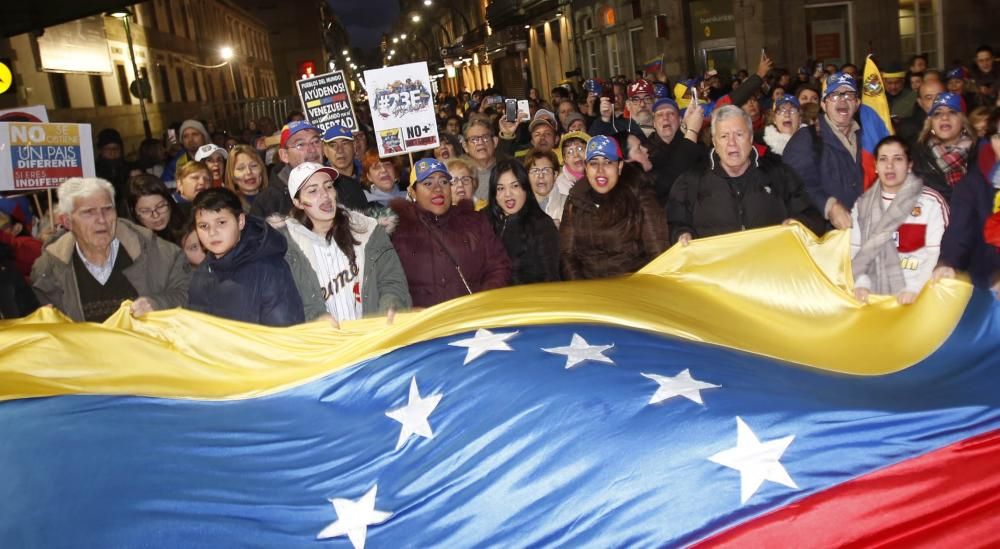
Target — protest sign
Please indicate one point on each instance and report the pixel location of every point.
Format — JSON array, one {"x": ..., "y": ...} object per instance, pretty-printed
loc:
[
  {"x": 326, "y": 101},
  {"x": 41, "y": 156},
  {"x": 402, "y": 109},
  {"x": 34, "y": 113}
]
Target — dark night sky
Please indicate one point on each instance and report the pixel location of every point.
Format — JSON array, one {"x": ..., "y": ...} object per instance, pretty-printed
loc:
[{"x": 366, "y": 20}]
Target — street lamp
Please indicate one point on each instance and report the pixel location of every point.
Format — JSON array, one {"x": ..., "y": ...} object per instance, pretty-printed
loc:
[
  {"x": 415, "y": 18},
  {"x": 402, "y": 36},
  {"x": 227, "y": 55},
  {"x": 428, "y": 2},
  {"x": 345, "y": 52},
  {"x": 124, "y": 14}
]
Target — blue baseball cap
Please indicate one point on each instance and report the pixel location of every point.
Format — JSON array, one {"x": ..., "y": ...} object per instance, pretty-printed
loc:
[
  {"x": 427, "y": 166},
  {"x": 660, "y": 90},
  {"x": 665, "y": 102},
  {"x": 958, "y": 73},
  {"x": 839, "y": 80},
  {"x": 602, "y": 145},
  {"x": 946, "y": 99},
  {"x": 787, "y": 100},
  {"x": 295, "y": 127},
  {"x": 337, "y": 132}
]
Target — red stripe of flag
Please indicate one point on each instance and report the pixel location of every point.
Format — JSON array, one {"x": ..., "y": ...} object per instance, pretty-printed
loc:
[{"x": 946, "y": 498}]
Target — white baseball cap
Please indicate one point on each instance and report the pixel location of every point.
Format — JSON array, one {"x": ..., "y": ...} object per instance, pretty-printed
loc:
[
  {"x": 301, "y": 173},
  {"x": 206, "y": 151}
]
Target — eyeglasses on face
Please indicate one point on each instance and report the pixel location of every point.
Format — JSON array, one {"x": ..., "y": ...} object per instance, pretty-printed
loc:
[
  {"x": 841, "y": 97},
  {"x": 309, "y": 144},
  {"x": 541, "y": 171},
  {"x": 155, "y": 211}
]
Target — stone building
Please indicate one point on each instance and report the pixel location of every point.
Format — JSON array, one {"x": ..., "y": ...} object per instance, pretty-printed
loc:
[{"x": 177, "y": 49}]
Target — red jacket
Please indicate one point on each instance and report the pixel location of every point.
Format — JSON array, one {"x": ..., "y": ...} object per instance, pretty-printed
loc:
[
  {"x": 430, "y": 272},
  {"x": 26, "y": 250}
]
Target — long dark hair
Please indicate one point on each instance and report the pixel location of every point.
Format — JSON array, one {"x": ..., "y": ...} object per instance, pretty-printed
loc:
[
  {"x": 340, "y": 232},
  {"x": 530, "y": 210},
  {"x": 148, "y": 185},
  {"x": 530, "y": 215}
]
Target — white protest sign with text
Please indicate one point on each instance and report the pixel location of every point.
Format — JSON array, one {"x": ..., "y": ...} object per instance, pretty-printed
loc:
[
  {"x": 41, "y": 156},
  {"x": 402, "y": 108}
]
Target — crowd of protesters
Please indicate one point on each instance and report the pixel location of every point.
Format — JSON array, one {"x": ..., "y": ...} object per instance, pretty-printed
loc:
[{"x": 281, "y": 226}]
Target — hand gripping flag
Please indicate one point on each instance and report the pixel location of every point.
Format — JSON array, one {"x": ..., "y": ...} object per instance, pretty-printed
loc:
[
  {"x": 732, "y": 392},
  {"x": 876, "y": 121}
]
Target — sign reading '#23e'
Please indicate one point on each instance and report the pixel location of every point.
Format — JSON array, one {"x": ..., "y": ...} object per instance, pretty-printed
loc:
[{"x": 41, "y": 156}]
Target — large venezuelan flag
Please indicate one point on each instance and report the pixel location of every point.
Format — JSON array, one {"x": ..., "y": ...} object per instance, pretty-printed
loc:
[
  {"x": 732, "y": 393},
  {"x": 876, "y": 118}
]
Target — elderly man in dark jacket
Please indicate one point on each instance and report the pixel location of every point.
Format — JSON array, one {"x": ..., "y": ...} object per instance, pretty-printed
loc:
[
  {"x": 739, "y": 191},
  {"x": 673, "y": 146},
  {"x": 830, "y": 163}
]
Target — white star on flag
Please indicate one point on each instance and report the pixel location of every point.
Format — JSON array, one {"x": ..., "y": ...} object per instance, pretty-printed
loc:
[
  {"x": 579, "y": 350},
  {"x": 414, "y": 415},
  {"x": 354, "y": 517},
  {"x": 681, "y": 384},
  {"x": 483, "y": 342},
  {"x": 755, "y": 460}
]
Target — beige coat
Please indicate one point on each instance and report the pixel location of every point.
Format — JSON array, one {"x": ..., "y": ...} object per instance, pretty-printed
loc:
[{"x": 159, "y": 271}]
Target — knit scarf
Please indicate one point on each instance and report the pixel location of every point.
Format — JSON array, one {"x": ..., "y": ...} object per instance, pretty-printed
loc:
[
  {"x": 953, "y": 160},
  {"x": 878, "y": 257}
]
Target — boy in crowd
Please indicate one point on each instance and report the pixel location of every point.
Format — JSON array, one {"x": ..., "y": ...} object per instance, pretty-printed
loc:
[{"x": 244, "y": 275}]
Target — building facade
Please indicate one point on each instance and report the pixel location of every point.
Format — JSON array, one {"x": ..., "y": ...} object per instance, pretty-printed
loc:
[
  {"x": 177, "y": 50},
  {"x": 619, "y": 36}
]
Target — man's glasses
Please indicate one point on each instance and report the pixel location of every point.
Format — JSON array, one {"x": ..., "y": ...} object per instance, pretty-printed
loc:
[
  {"x": 313, "y": 143},
  {"x": 843, "y": 97}
]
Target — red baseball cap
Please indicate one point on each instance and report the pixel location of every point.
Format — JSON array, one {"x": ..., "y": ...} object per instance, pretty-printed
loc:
[{"x": 640, "y": 87}]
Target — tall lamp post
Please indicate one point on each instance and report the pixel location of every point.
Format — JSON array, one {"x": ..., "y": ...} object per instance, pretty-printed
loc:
[{"x": 124, "y": 14}]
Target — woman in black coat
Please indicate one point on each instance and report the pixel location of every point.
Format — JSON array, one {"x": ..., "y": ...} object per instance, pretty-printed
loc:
[{"x": 528, "y": 233}]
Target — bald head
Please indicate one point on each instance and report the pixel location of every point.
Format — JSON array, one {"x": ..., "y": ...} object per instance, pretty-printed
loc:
[{"x": 928, "y": 91}]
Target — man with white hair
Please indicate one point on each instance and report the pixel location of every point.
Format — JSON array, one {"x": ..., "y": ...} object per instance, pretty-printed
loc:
[
  {"x": 739, "y": 190},
  {"x": 102, "y": 261}
]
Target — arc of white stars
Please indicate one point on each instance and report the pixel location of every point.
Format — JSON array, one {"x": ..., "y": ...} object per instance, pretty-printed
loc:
[
  {"x": 413, "y": 416},
  {"x": 580, "y": 351},
  {"x": 681, "y": 384},
  {"x": 354, "y": 518},
  {"x": 755, "y": 460},
  {"x": 483, "y": 342}
]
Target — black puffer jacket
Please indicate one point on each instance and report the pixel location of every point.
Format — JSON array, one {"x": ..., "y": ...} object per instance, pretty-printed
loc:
[
  {"x": 708, "y": 202},
  {"x": 532, "y": 243},
  {"x": 251, "y": 283}
]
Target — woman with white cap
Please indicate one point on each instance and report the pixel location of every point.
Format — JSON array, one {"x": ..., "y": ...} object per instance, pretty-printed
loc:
[
  {"x": 215, "y": 158},
  {"x": 356, "y": 266}
]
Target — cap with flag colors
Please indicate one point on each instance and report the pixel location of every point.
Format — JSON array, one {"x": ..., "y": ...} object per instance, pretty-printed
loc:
[{"x": 602, "y": 145}]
